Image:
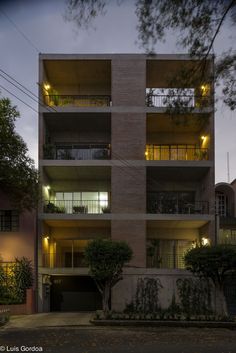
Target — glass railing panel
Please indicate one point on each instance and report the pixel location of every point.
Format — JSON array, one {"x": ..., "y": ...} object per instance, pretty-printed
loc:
[
  {"x": 76, "y": 206},
  {"x": 177, "y": 207},
  {"x": 175, "y": 153},
  {"x": 78, "y": 100},
  {"x": 76, "y": 152}
]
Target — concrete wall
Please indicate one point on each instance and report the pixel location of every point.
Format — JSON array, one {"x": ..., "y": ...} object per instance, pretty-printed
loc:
[{"x": 124, "y": 291}]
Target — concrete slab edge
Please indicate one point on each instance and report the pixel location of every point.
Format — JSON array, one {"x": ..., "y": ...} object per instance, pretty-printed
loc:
[{"x": 146, "y": 323}]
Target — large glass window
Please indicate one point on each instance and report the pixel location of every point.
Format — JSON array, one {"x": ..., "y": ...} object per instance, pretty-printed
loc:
[
  {"x": 82, "y": 201},
  {"x": 167, "y": 253},
  {"x": 227, "y": 236},
  {"x": 170, "y": 201},
  {"x": 221, "y": 204}
]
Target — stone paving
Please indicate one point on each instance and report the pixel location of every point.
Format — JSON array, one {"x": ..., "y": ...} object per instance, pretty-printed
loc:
[{"x": 49, "y": 320}]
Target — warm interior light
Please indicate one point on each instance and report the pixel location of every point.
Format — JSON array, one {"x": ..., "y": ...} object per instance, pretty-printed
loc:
[
  {"x": 205, "y": 241},
  {"x": 48, "y": 187},
  {"x": 203, "y": 137},
  {"x": 47, "y": 86},
  {"x": 205, "y": 89},
  {"x": 146, "y": 153}
]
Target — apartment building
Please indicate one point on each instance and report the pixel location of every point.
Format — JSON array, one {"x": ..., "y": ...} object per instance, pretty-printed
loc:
[{"x": 116, "y": 163}]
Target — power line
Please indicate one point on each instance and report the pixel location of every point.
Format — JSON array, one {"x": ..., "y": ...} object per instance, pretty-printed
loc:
[
  {"x": 20, "y": 31},
  {"x": 31, "y": 92},
  {"x": 27, "y": 94},
  {"x": 19, "y": 99}
]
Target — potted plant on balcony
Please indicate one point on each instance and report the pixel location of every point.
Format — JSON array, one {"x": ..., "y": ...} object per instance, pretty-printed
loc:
[
  {"x": 106, "y": 209},
  {"x": 80, "y": 209},
  {"x": 50, "y": 207}
]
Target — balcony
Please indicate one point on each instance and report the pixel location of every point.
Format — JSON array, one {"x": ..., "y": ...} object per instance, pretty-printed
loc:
[
  {"x": 175, "y": 153},
  {"x": 59, "y": 100},
  {"x": 177, "y": 207},
  {"x": 76, "y": 206},
  {"x": 77, "y": 152}
]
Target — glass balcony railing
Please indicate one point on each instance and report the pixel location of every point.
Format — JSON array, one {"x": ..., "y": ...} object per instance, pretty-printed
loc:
[
  {"x": 177, "y": 207},
  {"x": 77, "y": 206},
  {"x": 174, "y": 101},
  {"x": 175, "y": 153},
  {"x": 77, "y": 152},
  {"x": 77, "y": 100}
]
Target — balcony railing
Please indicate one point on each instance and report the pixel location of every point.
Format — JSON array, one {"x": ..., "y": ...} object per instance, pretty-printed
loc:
[
  {"x": 76, "y": 152},
  {"x": 175, "y": 153},
  {"x": 78, "y": 100},
  {"x": 172, "y": 101},
  {"x": 177, "y": 207},
  {"x": 166, "y": 261},
  {"x": 77, "y": 206},
  {"x": 66, "y": 260}
]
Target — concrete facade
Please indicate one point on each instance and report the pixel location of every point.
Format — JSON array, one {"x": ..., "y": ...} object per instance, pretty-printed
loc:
[{"x": 114, "y": 163}]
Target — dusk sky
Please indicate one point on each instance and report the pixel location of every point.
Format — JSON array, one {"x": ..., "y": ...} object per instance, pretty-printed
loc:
[{"x": 43, "y": 24}]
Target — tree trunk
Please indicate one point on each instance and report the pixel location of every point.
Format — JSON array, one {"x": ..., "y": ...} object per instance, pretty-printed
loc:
[
  {"x": 221, "y": 305},
  {"x": 105, "y": 299}
]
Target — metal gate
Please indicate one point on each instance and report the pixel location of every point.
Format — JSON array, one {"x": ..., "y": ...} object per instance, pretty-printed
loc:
[{"x": 74, "y": 293}]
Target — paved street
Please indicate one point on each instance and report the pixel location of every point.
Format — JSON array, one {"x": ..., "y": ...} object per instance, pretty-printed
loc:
[{"x": 119, "y": 340}]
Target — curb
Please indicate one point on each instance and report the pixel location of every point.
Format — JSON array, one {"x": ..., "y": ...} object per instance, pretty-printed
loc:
[{"x": 148, "y": 323}]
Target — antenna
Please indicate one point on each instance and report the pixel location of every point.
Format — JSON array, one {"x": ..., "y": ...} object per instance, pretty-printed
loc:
[{"x": 228, "y": 175}]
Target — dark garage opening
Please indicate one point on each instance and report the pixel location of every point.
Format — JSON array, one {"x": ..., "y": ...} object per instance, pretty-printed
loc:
[{"x": 74, "y": 293}]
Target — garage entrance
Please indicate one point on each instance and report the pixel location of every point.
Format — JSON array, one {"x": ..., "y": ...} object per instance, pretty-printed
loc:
[{"x": 74, "y": 293}]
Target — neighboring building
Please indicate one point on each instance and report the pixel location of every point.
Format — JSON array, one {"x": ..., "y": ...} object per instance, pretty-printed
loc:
[
  {"x": 17, "y": 232},
  {"x": 226, "y": 212},
  {"x": 18, "y": 239},
  {"x": 114, "y": 164},
  {"x": 225, "y": 194}
]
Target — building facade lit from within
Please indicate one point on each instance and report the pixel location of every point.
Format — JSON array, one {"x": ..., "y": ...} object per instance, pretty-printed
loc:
[{"x": 116, "y": 163}]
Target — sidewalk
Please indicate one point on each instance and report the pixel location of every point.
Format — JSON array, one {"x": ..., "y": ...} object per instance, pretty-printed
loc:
[{"x": 49, "y": 320}]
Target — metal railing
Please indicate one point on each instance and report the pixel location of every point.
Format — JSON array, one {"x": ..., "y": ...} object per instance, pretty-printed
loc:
[
  {"x": 66, "y": 260},
  {"x": 78, "y": 100},
  {"x": 166, "y": 261},
  {"x": 76, "y": 206},
  {"x": 177, "y": 207},
  {"x": 175, "y": 153},
  {"x": 172, "y": 101},
  {"x": 77, "y": 152}
]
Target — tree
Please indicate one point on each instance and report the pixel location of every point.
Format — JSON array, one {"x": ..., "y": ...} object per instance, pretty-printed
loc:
[
  {"x": 106, "y": 259},
  {"x": 18, "y": 176},
  {"x": 195, "y": 23},
  {"x": 215, "y": 263}
]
